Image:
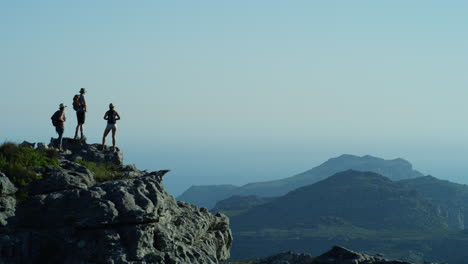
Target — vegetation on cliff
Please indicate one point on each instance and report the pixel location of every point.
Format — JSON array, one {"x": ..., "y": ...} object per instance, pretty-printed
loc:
[
  {"x": 103, "y": 171},
  {"x": 19, "y": 164}
]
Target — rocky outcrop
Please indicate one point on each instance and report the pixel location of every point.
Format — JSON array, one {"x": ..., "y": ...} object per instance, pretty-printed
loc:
[
  {"x": 340, "y": 255},
  {"x": 337, "y": 255},
  {"x": 79, "y": 149},
  {"x": 6, "y": 187},
  {"x": 69, "y": 218},
  {"x": 7, "y": 200},
  {"x": 67, "y": 176}
]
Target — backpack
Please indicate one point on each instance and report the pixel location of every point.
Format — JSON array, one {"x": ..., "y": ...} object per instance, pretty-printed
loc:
[
  {"x": 112, "y": 116},
  {"x": 55, "y": 118},
  {"x": 76, "y": 102}
]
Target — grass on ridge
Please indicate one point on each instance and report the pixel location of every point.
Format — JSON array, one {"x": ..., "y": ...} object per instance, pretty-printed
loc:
[{"x": 103, "y": 171}]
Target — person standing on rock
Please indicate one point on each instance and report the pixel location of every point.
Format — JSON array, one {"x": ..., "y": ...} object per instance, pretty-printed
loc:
[
  {"x": 58, "y": 120},
  {"x": 79, "y": 104},
  {"x": 111, "y": 116}
]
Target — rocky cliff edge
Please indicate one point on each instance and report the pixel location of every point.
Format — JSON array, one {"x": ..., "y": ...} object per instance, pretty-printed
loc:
[{"x": 70, "y": 218}]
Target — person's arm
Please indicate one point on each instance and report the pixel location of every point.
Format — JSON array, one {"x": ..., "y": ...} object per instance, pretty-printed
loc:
[
  {"x": 85, "y": 108},
  {"x": 62, "y": 117},
  {"x": 106, "y": 115},
  {"x": 117, "y": 116}
]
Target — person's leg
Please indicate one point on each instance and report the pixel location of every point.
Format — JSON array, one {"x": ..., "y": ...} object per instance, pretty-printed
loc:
[
  {"x": 114, "y": 131},
  {"x": 78, "y": 125},
  {"x": 76, "y": 131},
  {"x": 106, "y": 132},
  {"x": 60, "y": 131},
  {"x": 82, "y": 121}
]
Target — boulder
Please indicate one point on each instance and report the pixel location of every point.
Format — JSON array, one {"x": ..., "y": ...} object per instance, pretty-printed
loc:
[
  {"x": 79, "y": 149},
  {"x": 7, "y": 200},
  {"x": 67, "y": 176},
  {"x": 42, "y": 146},
  {"x": 6, "y": 187},
  {"x": 7, "y": 209},
  {"x": 340, "y": 255},
  {"x": 132, "y": 171},
  {"x": 27, "y": 144}
]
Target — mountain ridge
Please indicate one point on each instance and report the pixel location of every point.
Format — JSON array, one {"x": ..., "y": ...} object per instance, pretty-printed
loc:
[
  {"x": 396, "y": 169},
  {"x": 348, "y": 195},
  {"x": 363, "y": 210}
]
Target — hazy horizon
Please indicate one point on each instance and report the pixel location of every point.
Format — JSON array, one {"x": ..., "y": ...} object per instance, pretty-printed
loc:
[{"x": 236, "y": 92}]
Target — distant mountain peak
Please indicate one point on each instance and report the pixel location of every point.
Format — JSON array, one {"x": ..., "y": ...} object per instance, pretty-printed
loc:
[
  {"x": 396, "y": 169},
  {"x": 350, "y": 157}
]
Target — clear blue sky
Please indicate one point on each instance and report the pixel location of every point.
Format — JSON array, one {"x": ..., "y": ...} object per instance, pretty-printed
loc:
[{"x": 241, "y": 91}]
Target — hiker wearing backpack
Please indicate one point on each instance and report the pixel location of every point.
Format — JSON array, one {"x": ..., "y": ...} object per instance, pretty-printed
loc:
[
  {"x": 111, "y": 116},
  {"x": 58, "y": 120},
  {"x": 79, "y": 105}
]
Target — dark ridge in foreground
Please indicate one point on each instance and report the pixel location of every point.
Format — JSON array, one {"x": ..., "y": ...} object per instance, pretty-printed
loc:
[
  {"x": 69, "y": 217},
  {"x": 337, "y": 255}
]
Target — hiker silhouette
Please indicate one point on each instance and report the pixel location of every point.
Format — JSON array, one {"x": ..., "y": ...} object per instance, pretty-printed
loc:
[
  {"x": 111, "y": 116},
  {"x": 79, "y": 105}
]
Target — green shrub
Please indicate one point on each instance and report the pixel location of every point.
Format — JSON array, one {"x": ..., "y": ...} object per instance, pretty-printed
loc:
[
  {"x": 18, "y": 162},
  {"x": 103, "y": 171},
  {"x": 28, "y": 157}
]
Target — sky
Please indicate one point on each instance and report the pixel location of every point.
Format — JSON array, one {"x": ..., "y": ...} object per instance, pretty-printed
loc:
[{"x": 232, "y": 92}]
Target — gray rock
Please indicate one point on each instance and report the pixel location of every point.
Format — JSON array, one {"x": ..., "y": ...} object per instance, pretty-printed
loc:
[
  {"x": 70, "y": 219},
  {"x": 27, "y": 144},
  {"x": 42, "y": 146},
  {"x": 7, "y": 209},
  {"x": 68, "y": 176},
  {"x": 132, "y": 171},
  {"x": 126, "y": 221},
  {"x": 79, "y": 149},
  {"x": 340, "y": 255},
  {"x": 6, "y": 187},
  {"x": 7, "y": 200}
]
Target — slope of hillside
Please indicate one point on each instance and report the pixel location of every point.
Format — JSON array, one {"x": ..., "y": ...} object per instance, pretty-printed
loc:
[
  {"x": 239, "y": 204},
  {"x": 363, "y": 199},
  {"x": 451, "y": 198},
  {"x": 396, "y": 169},
  {"x": 363, "y": 210}
]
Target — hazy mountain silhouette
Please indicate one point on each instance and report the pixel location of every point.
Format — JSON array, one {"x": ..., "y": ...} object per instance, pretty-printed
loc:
[
  {"x": 207, "y": 196},
  {"x": 237, "y": 204}
]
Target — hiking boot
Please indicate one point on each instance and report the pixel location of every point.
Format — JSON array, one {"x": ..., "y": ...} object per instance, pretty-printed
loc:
[{"x": 83, "y": 138}]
